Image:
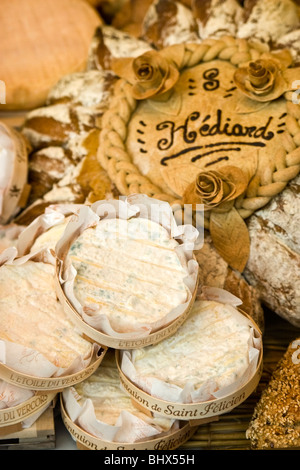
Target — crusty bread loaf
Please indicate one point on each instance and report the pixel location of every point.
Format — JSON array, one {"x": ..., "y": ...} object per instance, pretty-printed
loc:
[
  {"x": 291, "y": 41},
  {"x": 273, "y": 268},
  {"x": 110, "y": 43},
  {"x": 73, "y": 107},
  {"x": 217, "y": 17},
  {"x": 64, "y": 138},
  {"x": 167, "y": 22},
  {"x": 51, "y": 125},
  {"x": 267, "y": 21},
  {"x": 276, "y": 420},
  {"x": 83, "y": 181},
  {"x": 130, "y": 15},
  {"x": 47, "y": 166},
  {"x": 41, "y": 41}
]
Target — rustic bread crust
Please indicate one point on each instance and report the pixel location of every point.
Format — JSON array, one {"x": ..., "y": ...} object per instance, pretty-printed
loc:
[{"x": 273, "y": 268}]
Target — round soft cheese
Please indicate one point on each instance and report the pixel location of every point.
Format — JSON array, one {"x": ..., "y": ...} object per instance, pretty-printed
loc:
[
  {"x": 128, "y": 270},
  {"x": 31, "y": 315},
  {"x": 209, "y": 351}
]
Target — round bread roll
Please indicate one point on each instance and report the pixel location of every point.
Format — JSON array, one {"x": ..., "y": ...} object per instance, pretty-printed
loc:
[{"x": 46, "y": 40}]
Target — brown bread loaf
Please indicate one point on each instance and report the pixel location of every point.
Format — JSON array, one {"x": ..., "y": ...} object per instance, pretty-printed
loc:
[
  {"x": 40, "y": 42},
  {"x": 273, "y": 267},
  {"x": 276, "y": 420}
]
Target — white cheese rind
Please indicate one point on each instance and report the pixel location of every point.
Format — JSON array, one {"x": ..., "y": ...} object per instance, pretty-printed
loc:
[
  {"x": 208, "y": 352},
  {"x": 128, "y": 270},
  {"x": 31, "y": 316}
]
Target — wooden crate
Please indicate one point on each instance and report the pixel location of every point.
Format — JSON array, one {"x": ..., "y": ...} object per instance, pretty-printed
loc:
[{"x": 41, "y": 435}]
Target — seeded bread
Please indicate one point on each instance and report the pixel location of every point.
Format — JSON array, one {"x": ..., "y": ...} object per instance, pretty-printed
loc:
[{"x": 276, "y": 420}]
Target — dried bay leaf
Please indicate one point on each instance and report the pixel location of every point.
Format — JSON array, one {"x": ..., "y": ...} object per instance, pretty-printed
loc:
[{"x": 230, "y": 237}]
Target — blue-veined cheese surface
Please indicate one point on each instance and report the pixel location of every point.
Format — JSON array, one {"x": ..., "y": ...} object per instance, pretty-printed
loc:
[
  {"x": 129, "y": 270},
  {"x": 31, "y": 316},
  {"x": 211, "y": 346}
]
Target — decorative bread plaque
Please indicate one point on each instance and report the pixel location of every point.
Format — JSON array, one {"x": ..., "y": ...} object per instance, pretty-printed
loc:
[{"x": 210, "y": 125}]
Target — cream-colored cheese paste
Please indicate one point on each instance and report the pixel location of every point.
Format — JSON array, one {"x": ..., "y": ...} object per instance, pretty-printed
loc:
[
  {"x": 130, "y": 270},
  {"x": 48, "y": 239},
  {"x": 109, "y": 400},
  {"x": 211, "y": 346},
  {"x": 30, "y": 314}
]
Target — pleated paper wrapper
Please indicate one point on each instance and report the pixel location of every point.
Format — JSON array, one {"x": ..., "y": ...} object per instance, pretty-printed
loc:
[
  {"x": 129, "y": 432},
  {"x": 20, "y": 407}
]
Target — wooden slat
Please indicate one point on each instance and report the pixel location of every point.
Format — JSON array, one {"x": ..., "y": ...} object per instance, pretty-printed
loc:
[{"x": 41, "y": 435}]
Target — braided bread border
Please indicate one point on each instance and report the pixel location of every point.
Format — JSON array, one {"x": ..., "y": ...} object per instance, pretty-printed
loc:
[{"x": 267, "y": 182}]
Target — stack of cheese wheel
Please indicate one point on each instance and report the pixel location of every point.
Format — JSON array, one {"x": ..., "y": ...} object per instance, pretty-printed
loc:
[
  {"x": 37, "y": 244},
  {"x": 120, "y": 263},
  {"x": 41, "y": 352},
  {"x": 94, "y": 251}
]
